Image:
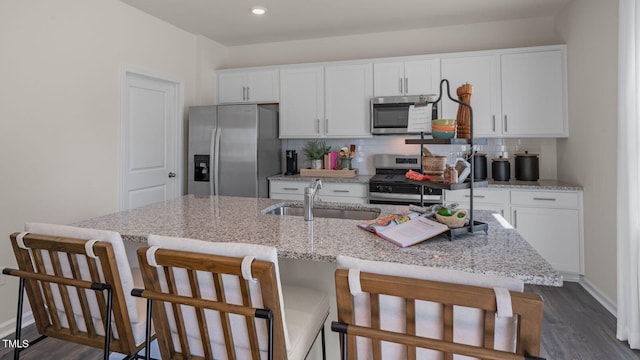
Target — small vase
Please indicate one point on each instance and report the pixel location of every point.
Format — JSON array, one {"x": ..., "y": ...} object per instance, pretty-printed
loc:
[{"x": 316, "y": 164}]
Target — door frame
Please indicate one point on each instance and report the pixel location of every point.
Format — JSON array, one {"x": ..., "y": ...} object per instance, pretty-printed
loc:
[{"x": 178, "y": 84}]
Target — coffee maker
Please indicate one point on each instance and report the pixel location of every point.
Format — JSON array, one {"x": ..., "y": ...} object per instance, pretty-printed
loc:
[{"x": 292, "y": 162}]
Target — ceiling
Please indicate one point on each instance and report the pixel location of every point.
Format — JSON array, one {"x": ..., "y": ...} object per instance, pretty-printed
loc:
[{"x": 230, "y": 22}]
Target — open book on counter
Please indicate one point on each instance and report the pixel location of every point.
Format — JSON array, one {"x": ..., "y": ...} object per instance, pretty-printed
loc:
[{"x": 404, "y": 229}]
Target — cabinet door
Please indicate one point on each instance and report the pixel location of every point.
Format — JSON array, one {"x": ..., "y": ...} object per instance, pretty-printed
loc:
[
  {"x": 554, "y": 233},
  {"x": 343, "y": 199},
  {"x": 262, "y": 86},
  {"x": 422, "y": 77},
  {"x": 482, "y": 73},
  {"x": 348, "y": 90},
  {"x": 388, "y": 79},
  {"x": 301, "y": 102},
  {"x": 231, "y": 87},
  {"x": 534, "y": 94}
]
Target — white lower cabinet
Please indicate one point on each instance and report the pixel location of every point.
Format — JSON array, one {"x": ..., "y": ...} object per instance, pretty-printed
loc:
[
  {"x": 552, "y": 223},
  {"x": 354, "y": 193},
  {"x": 483, "y": 199}
]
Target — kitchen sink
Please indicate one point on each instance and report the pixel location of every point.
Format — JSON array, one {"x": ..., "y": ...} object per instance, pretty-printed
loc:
[{"x": 324, "y": 212}]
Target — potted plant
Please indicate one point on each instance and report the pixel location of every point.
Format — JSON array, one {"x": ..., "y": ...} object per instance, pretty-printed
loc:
[{"x": 315, "y": 152}]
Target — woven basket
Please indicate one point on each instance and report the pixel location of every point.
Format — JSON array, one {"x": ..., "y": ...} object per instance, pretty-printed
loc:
[
  {"x": 434, "y": 163},
  {"x": 453, "y": 221}
]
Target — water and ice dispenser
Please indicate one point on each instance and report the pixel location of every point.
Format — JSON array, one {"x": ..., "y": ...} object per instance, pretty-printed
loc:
[{"x": 202, "y": 168}]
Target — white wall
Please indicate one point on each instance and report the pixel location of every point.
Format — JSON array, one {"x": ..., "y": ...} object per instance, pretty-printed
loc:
[
  {"x": 59, "y": 106},
  {"x": 590, "y": 28},
  {"x": 483, "y": 36}
]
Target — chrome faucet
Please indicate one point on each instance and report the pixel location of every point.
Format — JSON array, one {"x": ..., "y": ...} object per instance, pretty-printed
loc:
[{"x": 309, "y": 195}]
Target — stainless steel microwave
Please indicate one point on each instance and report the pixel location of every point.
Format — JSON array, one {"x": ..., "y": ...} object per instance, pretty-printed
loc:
[{"x": 390, "y": 114}]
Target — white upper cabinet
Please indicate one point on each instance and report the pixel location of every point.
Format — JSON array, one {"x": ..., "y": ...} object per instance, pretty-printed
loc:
[
  {"x": 302, "y": 102},
  {"x": 414, "y": 77},
  {"x": 239, "y": 86},
  {"x": 516, "y": 93},
  {"x": 348, "y": 90},
  {"x": 325, "y": 101},
  {"x": 534, "y": 96},
  {"x": 482, "y": 72}
]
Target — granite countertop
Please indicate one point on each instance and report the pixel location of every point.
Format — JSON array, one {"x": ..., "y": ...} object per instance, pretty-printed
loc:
[
  {"x": 360, "y": 179},
  {"x": 220, "y": 218},
  {"x": 542, "y": 184}
]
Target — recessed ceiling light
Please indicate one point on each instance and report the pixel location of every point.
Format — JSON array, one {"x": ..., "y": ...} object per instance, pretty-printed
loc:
[{"x": 258, "y": 10}]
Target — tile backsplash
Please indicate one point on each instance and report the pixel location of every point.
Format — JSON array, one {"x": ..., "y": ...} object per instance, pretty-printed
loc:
[{"x": 394, "y": 144}]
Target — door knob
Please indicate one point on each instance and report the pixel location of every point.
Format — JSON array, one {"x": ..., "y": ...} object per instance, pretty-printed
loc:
[{"x": 172, "y": 174}]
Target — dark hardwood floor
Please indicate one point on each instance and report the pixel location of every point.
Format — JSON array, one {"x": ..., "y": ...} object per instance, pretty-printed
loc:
[{"x": 576, "y": 327}]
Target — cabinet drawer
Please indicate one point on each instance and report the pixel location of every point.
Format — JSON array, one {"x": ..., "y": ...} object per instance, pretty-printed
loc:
[
  {"x": 343, "y": 199},
  {"x": 288, "y": 187},
  {"x": 479, "y": 196},
  {"x": 553, "y": 199},
  {"x": 344, "y": 189}
]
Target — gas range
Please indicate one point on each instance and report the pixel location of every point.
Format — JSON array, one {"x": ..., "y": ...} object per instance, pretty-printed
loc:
[{"x": 389, "y": 185}]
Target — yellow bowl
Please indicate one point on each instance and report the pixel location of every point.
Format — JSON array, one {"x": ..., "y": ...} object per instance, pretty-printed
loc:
[
  {"x": 443, "y": 128},
  {"x": 443, "y": 122}
]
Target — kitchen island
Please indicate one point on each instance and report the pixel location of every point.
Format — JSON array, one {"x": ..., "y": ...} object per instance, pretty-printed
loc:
[
  {"x": 237, "y": 219},
  {"x": 308, "y": 249}
]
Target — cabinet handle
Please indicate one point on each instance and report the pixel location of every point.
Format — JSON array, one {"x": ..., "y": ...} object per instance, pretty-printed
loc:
[
  {"x": 326, "y": 126},
  {"x": 502, "y": 212},
  {"x": 505, "y": 123},
  {"x": 406, "y": 85},
  {"x": 290, "y": 189},
  {"x": 494, "y": 123},
  {"x": 318, "y": 126},
  {"x": 544, "y": 199},
  {"x": 401, "y": 92},
  {"x": 341, "y": 191},
  {"x": 244, "y": 93},
  {"x": 476, "y": 196},
  {"x": 515, "y": 219},
  {"x": 248, "y": 98}
]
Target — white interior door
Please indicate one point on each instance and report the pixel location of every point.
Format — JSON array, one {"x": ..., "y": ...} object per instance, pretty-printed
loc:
[{"x": 150, "y": 133}]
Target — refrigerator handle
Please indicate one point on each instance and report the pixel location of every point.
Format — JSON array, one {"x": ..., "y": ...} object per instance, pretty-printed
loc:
[
  {"x": 216, "y": 173},
  {"x": 213, "y": 164}
]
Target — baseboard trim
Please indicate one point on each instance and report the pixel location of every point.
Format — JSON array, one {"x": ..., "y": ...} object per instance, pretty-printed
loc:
[
  {"x": 603, "y": 299},
  {"x": 9, "y": 327}
]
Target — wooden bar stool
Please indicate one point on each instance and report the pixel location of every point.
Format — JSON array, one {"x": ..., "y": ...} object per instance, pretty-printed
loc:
[
  {"x": 78, "y": 282},
  {"x": 396, "y": 311},
  {"x": 213, "y": 300}
]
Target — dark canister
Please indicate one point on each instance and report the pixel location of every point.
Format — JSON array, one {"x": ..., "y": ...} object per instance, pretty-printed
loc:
[
  {"x": 527, "y": 167},
  {"x": 479, "y": 166},
  {"x": 501, "y": 169}
]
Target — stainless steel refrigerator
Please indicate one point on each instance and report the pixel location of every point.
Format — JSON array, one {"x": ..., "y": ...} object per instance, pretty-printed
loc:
[{"x": 233, "y": 149}]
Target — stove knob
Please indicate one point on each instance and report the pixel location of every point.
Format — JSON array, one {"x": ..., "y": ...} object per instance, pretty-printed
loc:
[
  {"x": 379, "y": 188},
  {"x": 389, "y": 189}
]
